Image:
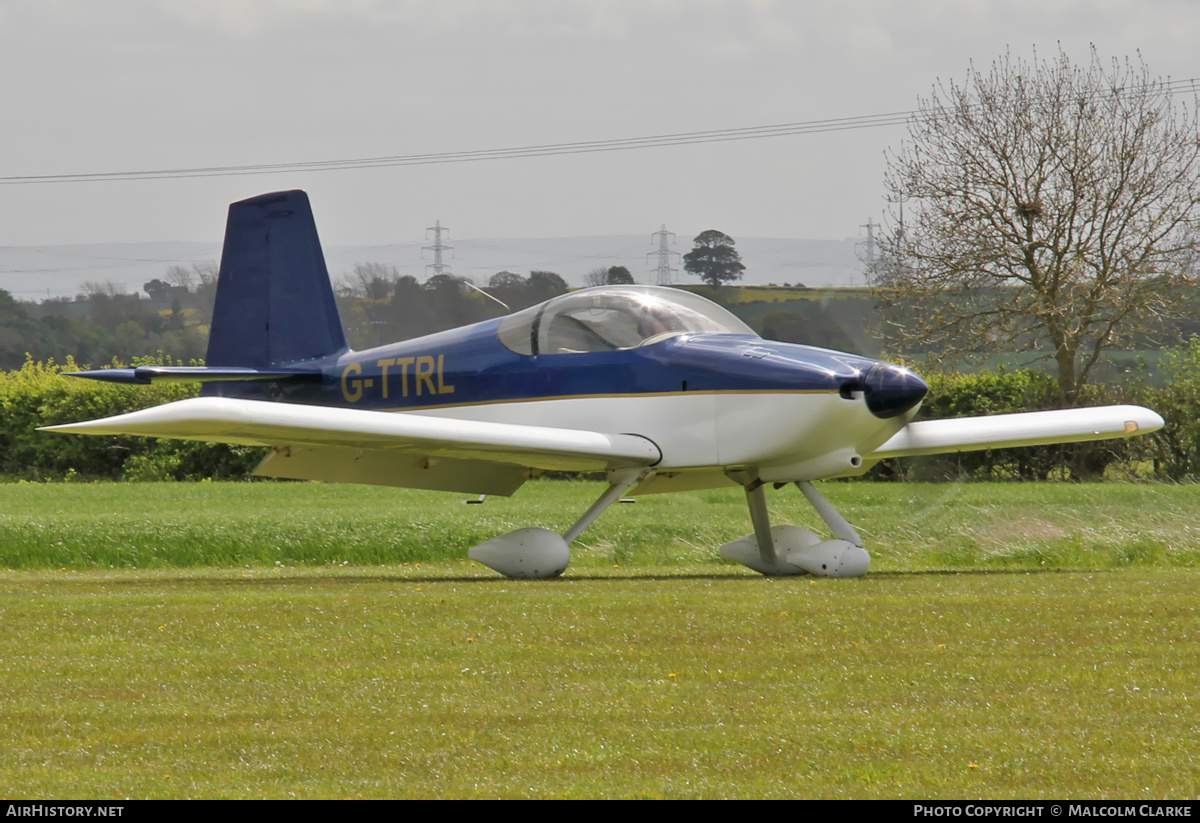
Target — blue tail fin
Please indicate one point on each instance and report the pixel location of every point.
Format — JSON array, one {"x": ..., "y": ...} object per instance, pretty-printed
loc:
[{"x": 274, "y": 304}]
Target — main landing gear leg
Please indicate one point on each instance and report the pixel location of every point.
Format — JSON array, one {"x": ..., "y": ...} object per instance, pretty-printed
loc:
[
  {"x": 780, "y": 550},
  {"x": 538, "y": 552}
]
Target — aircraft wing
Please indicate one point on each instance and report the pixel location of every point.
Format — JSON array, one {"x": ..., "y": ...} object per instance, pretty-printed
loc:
[
  {"x": 359, "y": 446},
  {"x": 1000, "y": 431}
]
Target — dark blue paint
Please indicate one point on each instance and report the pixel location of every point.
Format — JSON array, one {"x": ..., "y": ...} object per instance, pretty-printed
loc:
[
  {"x": 274, "y": 300},
  {"x": 482, "y": 370}
]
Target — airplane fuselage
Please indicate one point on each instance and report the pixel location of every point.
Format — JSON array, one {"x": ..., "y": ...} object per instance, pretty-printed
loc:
[{"x": 709, "y": 401}]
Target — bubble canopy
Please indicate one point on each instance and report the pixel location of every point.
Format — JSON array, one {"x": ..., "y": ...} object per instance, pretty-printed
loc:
[{"x": 614, "y": 318}]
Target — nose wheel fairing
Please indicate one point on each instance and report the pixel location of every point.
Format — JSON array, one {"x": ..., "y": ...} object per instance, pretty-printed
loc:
[
  {"x": 798, "y": 551},
  {"x": 788, "y": 550}
]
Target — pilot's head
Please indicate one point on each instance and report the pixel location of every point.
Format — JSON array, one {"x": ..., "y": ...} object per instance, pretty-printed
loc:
[{"x": 655, "y": 320}]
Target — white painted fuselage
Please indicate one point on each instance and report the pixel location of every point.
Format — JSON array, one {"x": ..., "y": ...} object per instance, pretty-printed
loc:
[{"x": 781, "y": 436}]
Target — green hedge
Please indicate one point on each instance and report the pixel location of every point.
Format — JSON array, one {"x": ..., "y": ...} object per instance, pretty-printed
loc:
[
  {"x": 38, "y": 394},
  {"x": 1175, "y": 450}
]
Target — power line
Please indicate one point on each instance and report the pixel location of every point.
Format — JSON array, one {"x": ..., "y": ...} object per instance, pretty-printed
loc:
[
  {"x": 582, "y": 147},
  {"x": 824, "y": 126}
]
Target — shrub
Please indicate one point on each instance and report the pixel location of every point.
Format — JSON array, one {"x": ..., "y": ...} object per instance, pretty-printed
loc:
[
  {"x": 40, "y": 394},
  {"x": 1175, "y": 449}
]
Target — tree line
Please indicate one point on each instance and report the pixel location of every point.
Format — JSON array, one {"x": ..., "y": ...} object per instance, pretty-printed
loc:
[
  {"x": 103, "y": 323},
  {"x": 378, "y": 304}
]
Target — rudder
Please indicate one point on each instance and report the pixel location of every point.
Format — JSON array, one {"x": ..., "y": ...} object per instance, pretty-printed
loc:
[{"x": 274, "y": 302}]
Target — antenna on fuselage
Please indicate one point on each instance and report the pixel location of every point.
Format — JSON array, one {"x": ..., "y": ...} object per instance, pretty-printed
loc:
[{"x": 469, "y": 284}]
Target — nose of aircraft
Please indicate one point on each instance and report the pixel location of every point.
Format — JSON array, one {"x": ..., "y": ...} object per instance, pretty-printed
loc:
[{"x": 891, "y": 390}]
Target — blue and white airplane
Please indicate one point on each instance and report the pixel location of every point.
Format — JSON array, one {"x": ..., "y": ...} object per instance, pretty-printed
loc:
[{"x": 658, "y": 388}]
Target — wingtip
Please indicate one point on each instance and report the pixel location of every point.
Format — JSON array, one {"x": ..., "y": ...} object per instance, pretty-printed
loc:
[
  {"x": 1145, "y": 422},
  {"x": 1139, "y": 419}
]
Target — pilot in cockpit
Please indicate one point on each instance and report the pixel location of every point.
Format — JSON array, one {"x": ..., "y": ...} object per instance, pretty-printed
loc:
[{"x": 657, "y": 321}]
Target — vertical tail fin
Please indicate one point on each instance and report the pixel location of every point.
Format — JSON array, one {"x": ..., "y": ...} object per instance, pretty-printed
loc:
[{"x": 274, "y": 302}]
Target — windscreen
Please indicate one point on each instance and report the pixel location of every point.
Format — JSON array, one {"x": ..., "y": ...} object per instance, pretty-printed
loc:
[{"x": 611, "y": 318}]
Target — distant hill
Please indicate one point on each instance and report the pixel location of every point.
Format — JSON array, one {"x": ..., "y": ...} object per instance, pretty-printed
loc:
[{"x": 37, "y": 272}]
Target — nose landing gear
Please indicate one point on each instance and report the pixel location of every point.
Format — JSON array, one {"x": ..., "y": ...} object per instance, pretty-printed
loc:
[{"x": 783, "y": 550}]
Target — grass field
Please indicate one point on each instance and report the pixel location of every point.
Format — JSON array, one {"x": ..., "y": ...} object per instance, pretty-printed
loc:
[
  {"x": 1012, "y": 641},
  {"x": 907, "y": 527}
]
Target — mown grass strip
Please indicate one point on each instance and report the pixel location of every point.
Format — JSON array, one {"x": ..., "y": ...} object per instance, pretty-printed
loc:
[
  {"x": 905, "y": 526},
  {"x": 654, "y": 682}
]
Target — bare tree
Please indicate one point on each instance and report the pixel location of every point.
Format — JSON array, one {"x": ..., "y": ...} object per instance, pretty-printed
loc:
[
  {"x": 180, "y": 277},
  {"x": 365, "y": 300},
  {"x": 1049, "y": 205},
  {"x": 205, "y": 276},
  {"x": 370, "y": 281},
  {"x": 197, "y": 278},
  {"x": 206, "y": 272}
]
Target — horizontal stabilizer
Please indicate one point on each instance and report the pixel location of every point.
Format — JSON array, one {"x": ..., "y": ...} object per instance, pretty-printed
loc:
[
  {"x": 144, "y": 375},
  {"x": 1001, "y": 431},
  {"x": 261, "y": 423}
]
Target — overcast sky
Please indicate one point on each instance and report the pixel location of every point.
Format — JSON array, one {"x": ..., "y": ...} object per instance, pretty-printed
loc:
[{"x": 160, "y": 84}]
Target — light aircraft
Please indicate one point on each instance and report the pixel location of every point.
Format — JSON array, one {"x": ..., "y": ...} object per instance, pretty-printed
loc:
[{"x": 659, "y": 388}]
